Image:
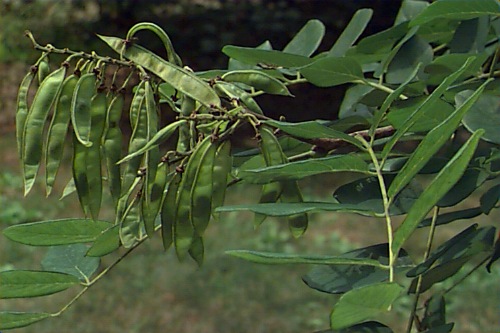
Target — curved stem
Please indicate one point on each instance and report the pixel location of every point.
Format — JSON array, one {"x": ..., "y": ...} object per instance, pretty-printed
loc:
[{"x": 380, "y": 87}]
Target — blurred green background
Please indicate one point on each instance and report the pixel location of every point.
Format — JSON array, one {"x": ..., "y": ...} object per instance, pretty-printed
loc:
[{"x": 151, "y": 291}]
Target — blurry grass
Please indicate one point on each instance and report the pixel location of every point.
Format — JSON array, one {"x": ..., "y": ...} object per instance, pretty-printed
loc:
[{"x": 152, "y": 292}]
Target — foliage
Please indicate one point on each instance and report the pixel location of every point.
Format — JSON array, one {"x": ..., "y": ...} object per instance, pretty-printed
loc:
[{"x": 411, "y": 90}]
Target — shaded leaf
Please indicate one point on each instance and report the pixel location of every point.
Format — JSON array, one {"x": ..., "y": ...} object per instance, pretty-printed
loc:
[
  {"x": 452, "y": 216},
  {"x": 336, "y": 279},
  {"x": 435, "y": 312},
  {"x": 363, "y": 303},
  {"x": 106, "y": 242},
  {"x": 56, "y": 232},
  {"x": 416, "y": 50},
  {"x": 489, "y": 199},
  {"x": 259, "y": 80},
  {"x": 70, "y": 259},
  {"x": 366, "y": 327},
  {"x": 470, "y": 36},
  {"x": 9, "y": 320},
  {"x": 468, "y": 183},
  {"x": 485, "y": 114},
  {"x": 20, "y": 284}
]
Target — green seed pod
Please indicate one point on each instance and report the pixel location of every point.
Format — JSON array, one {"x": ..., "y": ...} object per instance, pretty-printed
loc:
[
  {"x": 22, "y": 109},
  {"x": 80, "y": 107},
  {"x": 33, "y": 129}
]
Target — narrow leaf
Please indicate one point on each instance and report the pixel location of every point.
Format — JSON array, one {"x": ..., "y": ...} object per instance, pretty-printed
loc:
[
  {"x": 301, "y": 169},
  {"x": 9, "y": 320},
  {"x": 363, "y": 303},
  {"x": 259, "y": 80},
  {"x": 105, "y": 243},
  {"x": 431, "y": 143},
  {"x": 307, "y": 40},
  {"x": 439, "y": 186},
  {"x": 20, "y": 284},
  {"x": 351, "y": 32},
  {"x": 332, "y": 71},
  {"x": 56, "y": 232},
  {"x": 268, "y": 58},
  {"x": 282, "y": 258}
]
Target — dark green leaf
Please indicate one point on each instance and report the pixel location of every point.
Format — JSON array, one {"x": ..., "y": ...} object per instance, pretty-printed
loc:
[
  {"x": 9, "y": 320},
  {"x": 56, "y": 232},
  {"x": 438, "y": 187},
  {"x": 452, "y": 216},
  {"x": 446, "y": 328},
  {"x": 352, "y": 105},
  {"x": 70, "y": 259},
  {"x": 456, "y": 10},
  {"x": 301, "y": 169},
  {"x": 365, "y": 193},
  {"x": 363, "y": 303},
  {"x": 489, "y": 199},
  {"x": 485, "y": 114},
  {"x": 383, "y": 41},
  {"x": 351, "y": 32},
  {"x": 409, "y": 9},
  {"x": 470, "y": 36},
  {"x": 307, "y": 40},
  {"x": 20, "y": 284},
  {"x": 283, "y": 258},
  {"x": 259, "y": 80},
  {"x": 332, "y": 71},
  {"x": 337, "y": 279},
  {"x": 435, "y": 312},
  {"x": 366, "y": 327},
  {"x": 468, "y": 183},
  {"x": 444, "y": 65}
]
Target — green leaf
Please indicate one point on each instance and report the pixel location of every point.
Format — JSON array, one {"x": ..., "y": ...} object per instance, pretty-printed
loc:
[
  {"x": 471, "y": 180},
  {"x": 409, "y": 9},
  {"x": 105, "y": 243},
  {"x": 338, "y": 279},
  {"x": 470, "y": 36},
  {"x": 332, "y": 71},
  {"x": 438, "y": 187},
  {"x": 313, "y": 130},
  {"x": 70, "y": 259},
  {"x": 416, "y": 50},
  {"x": 444, "y": 65},
  {"x": 9, "y": 320},
  {"x": 431, "y": 117},
  {"x": 489, "y": 199},
  {"x": 485, "y": 114},
  {"x": 351, "y": 32},
  {"x": 431, "y": 144},
  {"x": 363, "y": 303},
  {"x": 181, "y": 79},
  {"x": 307, "y": 40},
  {"x": 56, "y": 232},
  {"x": 452, "y": 216},
  {"x": 366, "y": 327},
  {"x": 20, "y": 284},
  {"x": 352, "y": 104},
  {"x": 301, "y": 169},
  {"x": 417, "y": 115},
  {"x": 365, "y": 193},
  {"x": 259, "y": 80},
  {"x": 456, "y": 10},
  {"x": 285, "y": 209},
  {"x": 435, "y": 312},
  {"x": 283, "y": 258},
  {"x": 268, "y": 58},
  {"x": 382, "y": 42}
]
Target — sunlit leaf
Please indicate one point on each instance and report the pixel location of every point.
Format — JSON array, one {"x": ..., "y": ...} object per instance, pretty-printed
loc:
[
  {"x": 363, "y": 303},
  {"x": 351, "y": 32},
  {"x": 9, "y": 320},
  {"x": 456, "y": 10},
  {"x": 20, "y": 284},
  {"x": 438, "y": 187},
  {"x": 56, "y": 232},
  {"x": 307, "y": 40}
]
